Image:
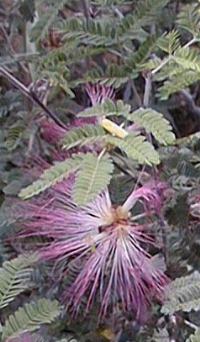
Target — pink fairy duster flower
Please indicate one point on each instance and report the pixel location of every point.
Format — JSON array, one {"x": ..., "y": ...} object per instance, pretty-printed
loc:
[
  {"x": 153, "y": 195},
  {"x": 117, "y": 266},
  {"x": 99, "y": 93}
]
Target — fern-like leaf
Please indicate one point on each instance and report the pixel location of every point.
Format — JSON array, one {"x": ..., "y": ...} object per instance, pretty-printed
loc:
[
  {"x": 70, "y": 53},
  {"x": 183, "y": 294},
  {"x": 189, "y": 19},
  {"x": 188, "y": 58},
  {"x": 114, "y": 75},
  {"x": 30, "y": 317},
  {"x": 142, "y": 53},
  {"x": 93, "y": 177},
  {"x": 154, "y": 123},
  {"x": 14, "y": 136},
  {"x": 91, "y": 32},
  {"x": 144, "y": 13},
  {"x": 178, "y": 82},
  {"x": 169, "y": 42},
  {"x": 51, "y": 176},
  {"x": 15, "y": 277},
  {"x": 107, "y": 108},
  {"x": 82, "y": 136},
  {"x": 137, "y": 148}
]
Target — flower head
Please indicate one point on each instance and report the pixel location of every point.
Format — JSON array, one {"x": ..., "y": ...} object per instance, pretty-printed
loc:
[
  {"x": 117, "y": 266},
  {"x": 99, "y": 93}
]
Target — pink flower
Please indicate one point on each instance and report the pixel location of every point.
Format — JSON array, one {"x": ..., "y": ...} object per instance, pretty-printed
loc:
[
  {"x": 24, "y": 337},
  {"x": 99, "y": 93},
  {"x": 117, "y": 267},
  {"x": 51, "y": 132},
  {"x": 153, "y": 195}
]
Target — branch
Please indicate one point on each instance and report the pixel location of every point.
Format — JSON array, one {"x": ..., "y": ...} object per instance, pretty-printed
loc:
[
  {"x": 86, "y": 9},
  {"x": 31, "y": 95}
]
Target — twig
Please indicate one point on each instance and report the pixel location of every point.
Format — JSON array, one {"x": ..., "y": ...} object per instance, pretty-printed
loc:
[
  {"x": 31, "y": 95},
  {"x": 191, "y": 325},
  {"x": 31, "y": 142},
  {"x": 147, "y": 90},
  {"x": 164, "y": 62},
  {"x": 136, "y": 95},
  {"x": 192, "y": 107},
  {"x": 7, "y": 39},
  {"x": 86, "y": 9},
  {"x": 10, "y": 48},
  {"x": 163, "y": 226},
  {"x": 146, "y": 100},
  {"x": 118, "y": 12}
]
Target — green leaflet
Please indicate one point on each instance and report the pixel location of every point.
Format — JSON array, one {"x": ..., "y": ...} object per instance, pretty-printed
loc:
[
  {"x": 169, "y": 42},
  {"x": 92, "y": 32},
  {"x": 51, "y": 176},
  {"x": 183, "y": 294},
  {"x": 189, "y": 19},
  {"x": 137, "y": 148},
  {"x": 107, "y": 108},
  {"x": 30, "y": 317},
  {"x": 93, "y": 177},
  {"x": 82, "y": 136},
  {"x": 114, "y": 75},
  {"x": 144, "y": 13},
  {"x": 178, "y": 82},
  {"x": 188, "y": 58},
  {"x": 15, "y": 277},
  {"x": 154, "y": 123},
  {"x": 14, "y": 135},
  {"x": 142, "y": 53}
]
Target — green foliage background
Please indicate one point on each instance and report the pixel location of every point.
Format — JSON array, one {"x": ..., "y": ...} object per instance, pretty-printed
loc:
[{"x": 124, "y": 44}]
